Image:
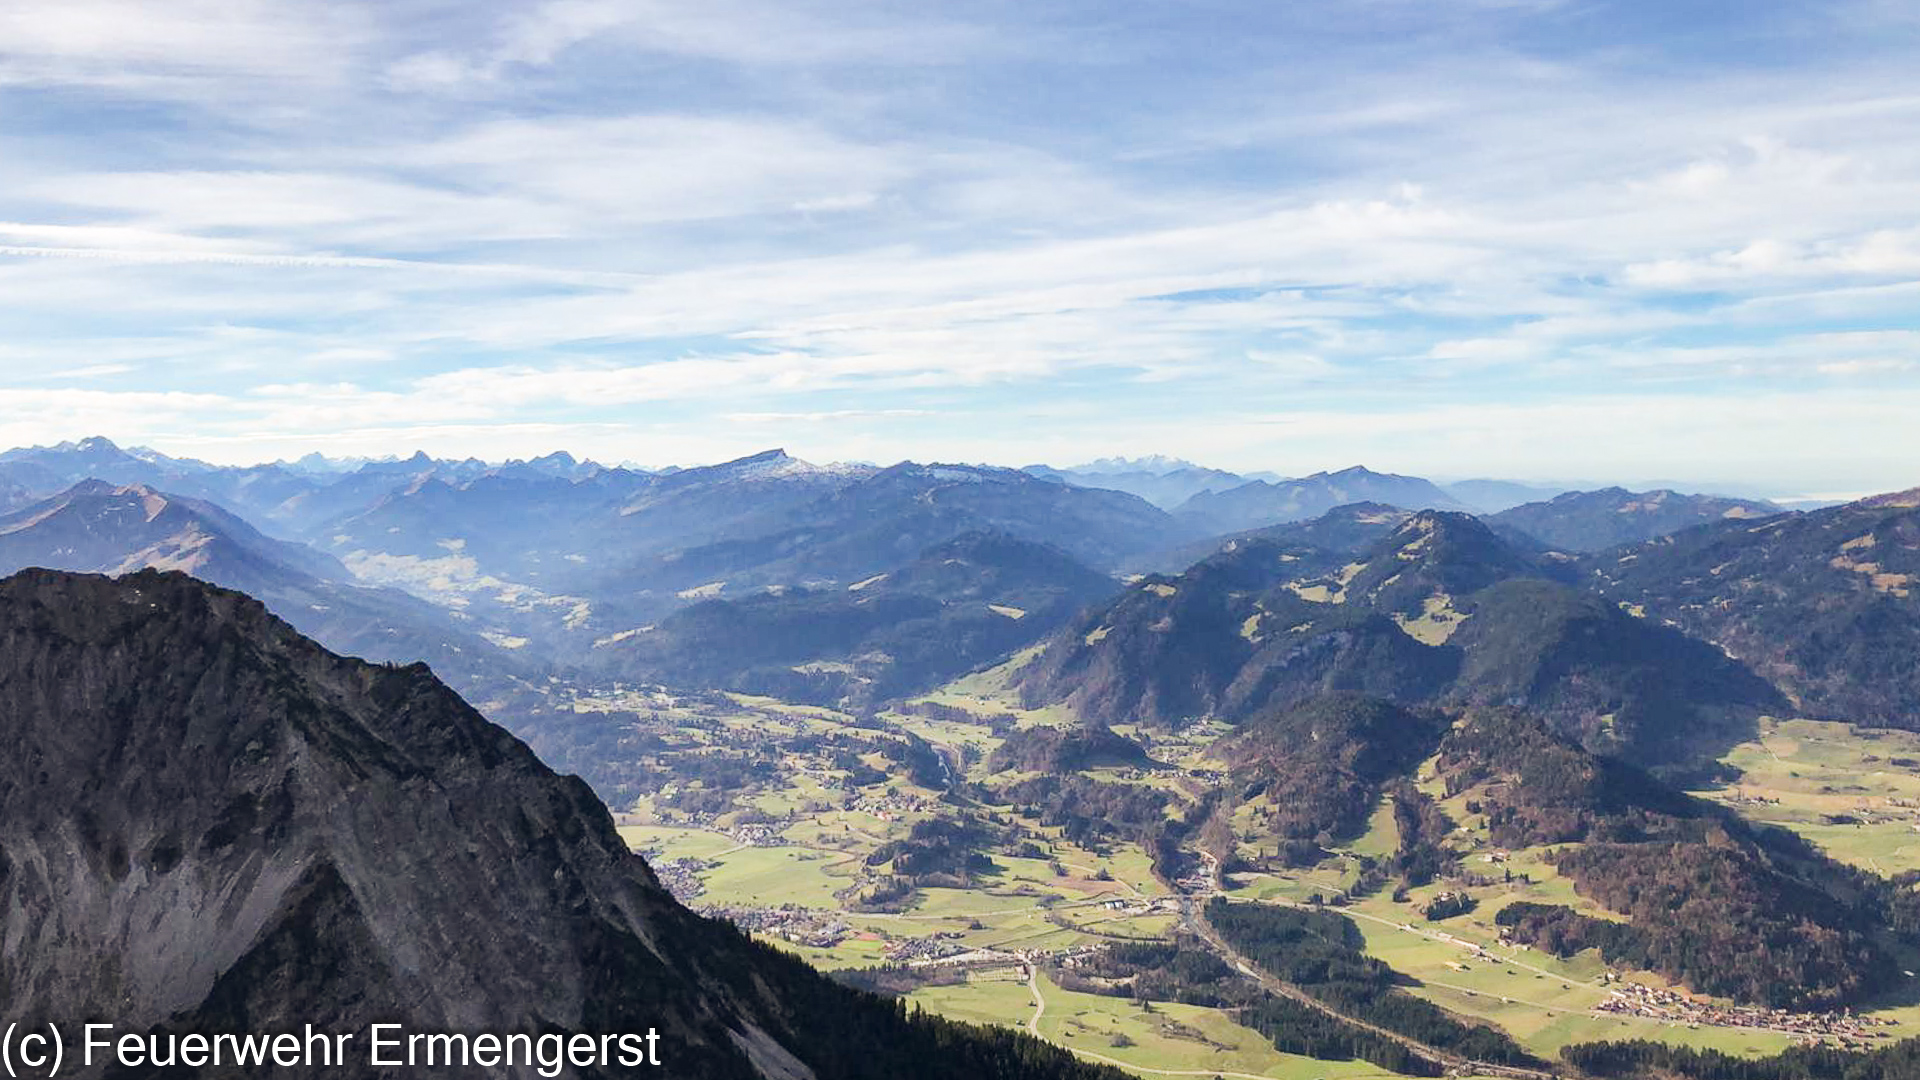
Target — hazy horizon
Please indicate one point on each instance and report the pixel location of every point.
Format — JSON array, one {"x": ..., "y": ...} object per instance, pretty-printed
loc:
[{"x": 1144, "y": 461}]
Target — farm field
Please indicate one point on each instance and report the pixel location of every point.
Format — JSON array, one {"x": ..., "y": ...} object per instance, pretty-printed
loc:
[
  {"x": 1169, "y": 1038},
  {"x": 787, "y": 818},
  {"x": 1854, "y": 792}
]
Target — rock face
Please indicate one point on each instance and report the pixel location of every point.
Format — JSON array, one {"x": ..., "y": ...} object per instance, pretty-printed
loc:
[{"x": 208, "y": 823}]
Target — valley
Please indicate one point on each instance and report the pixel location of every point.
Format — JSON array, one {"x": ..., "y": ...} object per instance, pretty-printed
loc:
[
  {"x": 982, "y": 541},
  {"x": 791, "y": 857},
  {"x": 1384, "y": 790}
]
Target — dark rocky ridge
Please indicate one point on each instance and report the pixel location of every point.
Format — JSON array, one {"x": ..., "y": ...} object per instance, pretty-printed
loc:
[{"x": 209, "y": 823}]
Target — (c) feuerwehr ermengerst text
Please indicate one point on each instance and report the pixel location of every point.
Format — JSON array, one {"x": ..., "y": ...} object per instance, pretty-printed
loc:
[{"x": 43, "y": 1050}]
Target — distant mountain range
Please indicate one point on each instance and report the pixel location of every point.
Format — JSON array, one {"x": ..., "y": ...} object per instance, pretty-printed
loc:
[
  {"x": 1586, "y": 521},
  {"x": 1170, "y": 482},
  {"x": 910, "y": 574},
  {"x": 97, "y": 527},
  {"x": 1493, "y": 496},
  {"x": 1261, "y": 502},
  {"x": 289, "y": 498},
  {"x": 1164, "y": 482}
]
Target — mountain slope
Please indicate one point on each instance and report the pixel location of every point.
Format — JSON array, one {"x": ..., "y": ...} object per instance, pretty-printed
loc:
[
  {"x": 1439, "y": 610},
  {"x": 1585, "y": 521},
  {"x": 96, "y": 527},
  {"x": 1724, "y": 906},
  {"x": 1617, "y": 684},
  {"x": 1319, "y": 766},
  {"x": 1825, "y": 604},
  {"x": 959, "y": 605},
  {"x": 1430, "y": 558},
  {"x": 1261, "y": 502},
  {"x": 209, "y": 823},
  {"x": 1342, "y": 531},
  {"x": 1228, "y": 636}
]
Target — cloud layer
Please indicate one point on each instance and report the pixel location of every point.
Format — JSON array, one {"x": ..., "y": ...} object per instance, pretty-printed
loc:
[{"x": 1532, "y": 239}]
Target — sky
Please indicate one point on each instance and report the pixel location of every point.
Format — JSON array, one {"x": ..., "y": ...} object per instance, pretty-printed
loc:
[{"x": 1516, "y": 238}]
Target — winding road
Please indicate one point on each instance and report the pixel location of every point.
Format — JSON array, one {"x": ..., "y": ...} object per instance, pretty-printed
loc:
[{"x": 1040, "y": 1010}]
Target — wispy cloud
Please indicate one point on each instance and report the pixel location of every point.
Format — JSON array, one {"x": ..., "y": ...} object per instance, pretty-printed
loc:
[{"x": 891, "y": 229}]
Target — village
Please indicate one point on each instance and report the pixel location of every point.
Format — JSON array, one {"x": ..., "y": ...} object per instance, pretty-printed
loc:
[
  {"x": 1673, "y": 1006},
  {"x": 811, "y": 927}
]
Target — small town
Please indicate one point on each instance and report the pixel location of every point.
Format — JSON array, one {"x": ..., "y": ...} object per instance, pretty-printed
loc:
[{"x": 1672, "y": 1006}]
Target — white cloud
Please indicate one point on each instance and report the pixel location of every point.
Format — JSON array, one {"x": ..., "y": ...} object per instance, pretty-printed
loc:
[
  {"x": 741, "y": 32},
  {"x": 170, "y": 48},
  {"x": 1881, "y": 253},
  {"x": 412, "y": 218}
]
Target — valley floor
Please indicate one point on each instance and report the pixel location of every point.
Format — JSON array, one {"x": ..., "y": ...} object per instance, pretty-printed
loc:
[{"x": 797, "y": 846}]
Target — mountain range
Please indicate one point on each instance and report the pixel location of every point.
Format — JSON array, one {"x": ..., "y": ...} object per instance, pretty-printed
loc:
[
  {"x": 212, "y": 819},
  {"x": 1825, "y": 604},
  {"x": 1438, "y": 609},
  {"x": 959, "y": 605},
  {"x": 97, "y": 527},
  {"x": 1164, "y": 482},
  {"x": 700, "y": 577},
  {"x": 1587, "y": 521},
  {"x": 1263, "y": 502}
]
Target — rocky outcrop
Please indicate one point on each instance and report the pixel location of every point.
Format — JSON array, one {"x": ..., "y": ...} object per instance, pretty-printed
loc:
[{"x": 208, "y": 823}]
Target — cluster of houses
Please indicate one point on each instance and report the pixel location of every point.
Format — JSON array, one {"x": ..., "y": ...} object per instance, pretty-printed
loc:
[
  {"x": 760, "y": 834},
  {"x": 680, "y": 876},
  {"x": 938, "y": 946},
  {"x": 798, "y": 925},
  {"x": 1672, "y": 1006},
  {"x": 1141, "y": 905},
  {"x": 888, "y": 806}
]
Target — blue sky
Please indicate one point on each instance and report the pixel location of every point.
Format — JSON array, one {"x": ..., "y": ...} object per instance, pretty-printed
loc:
[{"x": 1523, "y": 238}]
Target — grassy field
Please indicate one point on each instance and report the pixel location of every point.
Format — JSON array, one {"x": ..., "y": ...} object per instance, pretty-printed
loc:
[
  {"x": 855, "y": 952},
  {"x": 769, "y": 877},
  {"x": 990, "y": 692},
  {"x": 1801, "y": 774},
  {"x": 1855, "y": 793},
  {"x": 676, "y": 843},
  {"x": 992, "y": 998},
  {"x": 1171, "y": 1038}
]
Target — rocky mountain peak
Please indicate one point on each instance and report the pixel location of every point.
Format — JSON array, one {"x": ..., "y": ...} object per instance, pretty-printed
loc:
[{"x": 209, "y": 823}]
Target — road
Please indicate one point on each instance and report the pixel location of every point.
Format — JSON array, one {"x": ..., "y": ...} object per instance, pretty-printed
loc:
[
  {"x": 1197, "y": 922},
  {"x": 1039, "y": 1003},
  {"x": 1040, "y": 1010},
  {"x": 1449, "y": 939}
]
